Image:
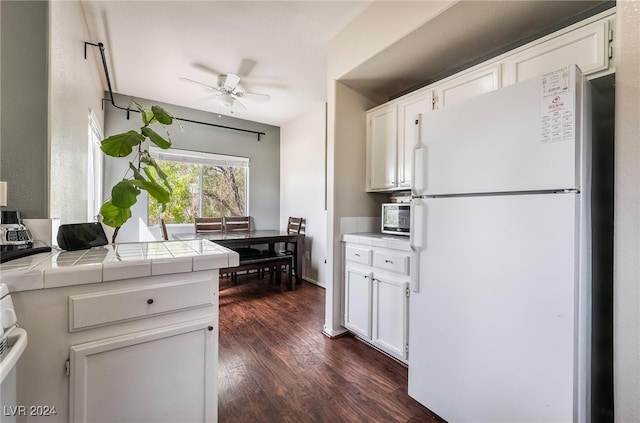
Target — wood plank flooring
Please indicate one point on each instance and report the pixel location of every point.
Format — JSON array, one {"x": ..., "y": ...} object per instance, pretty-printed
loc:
[{"x": 276, "y": 366}]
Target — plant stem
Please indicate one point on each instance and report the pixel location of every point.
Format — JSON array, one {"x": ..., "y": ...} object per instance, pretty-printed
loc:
[{"x": 115, "y": 234}]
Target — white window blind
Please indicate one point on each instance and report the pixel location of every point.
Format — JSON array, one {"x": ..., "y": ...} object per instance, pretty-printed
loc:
[{"x": 197, "y": 157}]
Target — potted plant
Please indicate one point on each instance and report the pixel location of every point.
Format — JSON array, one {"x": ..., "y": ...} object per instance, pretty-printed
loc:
[{"x": 143, "y": 173}]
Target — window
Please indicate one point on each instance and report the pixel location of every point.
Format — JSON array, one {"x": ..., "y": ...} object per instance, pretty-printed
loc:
[
  {"x": 204, "y": 184},
  {"x": 94, "y": 168}
]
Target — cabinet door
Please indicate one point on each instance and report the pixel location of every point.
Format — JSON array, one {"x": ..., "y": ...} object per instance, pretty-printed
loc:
[
  {"x": 390, "y": 315},
  {"x": 408, "y": 111},
  {"x": 381, "y": 148},
  {"x": 467, "y": 86},
  {"x": 123, "y": 379},
  {"x": 357, "y": 309},
  {"x": 586, "y": 47}
]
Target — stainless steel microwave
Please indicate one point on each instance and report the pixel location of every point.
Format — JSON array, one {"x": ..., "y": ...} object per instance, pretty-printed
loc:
[{"x": 396, "y": 218}]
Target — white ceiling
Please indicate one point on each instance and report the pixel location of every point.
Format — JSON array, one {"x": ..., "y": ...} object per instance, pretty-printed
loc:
[{"x": 280, "y": 47}]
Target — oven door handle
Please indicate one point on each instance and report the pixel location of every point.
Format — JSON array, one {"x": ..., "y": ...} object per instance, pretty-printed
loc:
[{"x": 17, "y": 341}]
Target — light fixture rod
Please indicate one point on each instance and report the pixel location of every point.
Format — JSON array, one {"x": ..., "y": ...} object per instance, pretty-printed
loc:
[{"x": 129, "y": 110}]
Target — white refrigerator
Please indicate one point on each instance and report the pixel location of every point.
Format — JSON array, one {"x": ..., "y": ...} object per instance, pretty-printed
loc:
[{"x": 501, "y": 303}]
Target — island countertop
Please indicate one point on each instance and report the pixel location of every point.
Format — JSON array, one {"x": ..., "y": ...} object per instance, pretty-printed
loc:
[{"x": 114, "y": 262}]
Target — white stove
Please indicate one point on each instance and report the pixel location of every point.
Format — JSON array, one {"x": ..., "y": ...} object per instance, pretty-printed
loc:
[{"x": 13, "y": 341}]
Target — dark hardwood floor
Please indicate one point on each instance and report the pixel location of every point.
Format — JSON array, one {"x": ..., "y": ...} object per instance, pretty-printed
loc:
[{"x": 276, "y": 366}]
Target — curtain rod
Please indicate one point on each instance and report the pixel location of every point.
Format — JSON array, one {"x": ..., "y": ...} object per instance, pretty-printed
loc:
[{"x": 129, "y": 110}]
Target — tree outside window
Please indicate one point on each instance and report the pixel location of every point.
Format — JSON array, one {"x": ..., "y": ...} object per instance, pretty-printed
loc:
[{"x": 201, "y": 190}]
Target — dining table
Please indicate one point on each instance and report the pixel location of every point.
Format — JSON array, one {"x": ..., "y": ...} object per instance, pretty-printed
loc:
[{"x": 270, "y": 237}]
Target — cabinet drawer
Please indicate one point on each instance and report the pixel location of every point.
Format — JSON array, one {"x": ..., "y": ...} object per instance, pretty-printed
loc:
[
  {"x": 105, "y": 307},
  {"x": 398, "y": 263},
  {"x": 358, "y": 255}
]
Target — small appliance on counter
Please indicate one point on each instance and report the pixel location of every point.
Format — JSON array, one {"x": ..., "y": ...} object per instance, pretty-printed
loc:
[
  {"x": 15, "y": 238},
  {"x": 13, "y": 234},
  {"x": 396, "y": 218}
]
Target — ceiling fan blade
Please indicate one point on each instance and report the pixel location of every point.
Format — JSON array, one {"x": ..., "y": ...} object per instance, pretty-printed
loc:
[
  {"x": 200, "y": 83},
  {"x": 254, "y": 96},
  {"x": 206, "y": 68},
  {"x": 246, "y": 66},
  {"x": 238, "y": 105}
]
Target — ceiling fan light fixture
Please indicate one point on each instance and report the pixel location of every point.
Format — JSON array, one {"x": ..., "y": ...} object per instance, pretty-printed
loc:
[{"x": 226, "y": 101}]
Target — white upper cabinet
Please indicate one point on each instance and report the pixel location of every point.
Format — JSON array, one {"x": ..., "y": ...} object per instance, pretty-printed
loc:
[
  {"x": 381, "y": 148},
  {"x": 409, "y": 108},
  {"x": 392, "y": 132},
  {"x": 588, "y": 47},
  {"x": 468, "y": 85}
]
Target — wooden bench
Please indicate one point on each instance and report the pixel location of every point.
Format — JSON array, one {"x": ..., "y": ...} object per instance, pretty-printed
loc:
[{"x": 274, "y": 263}]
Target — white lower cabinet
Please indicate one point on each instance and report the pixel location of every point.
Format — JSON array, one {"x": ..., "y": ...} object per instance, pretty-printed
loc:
[
  {"x": 376, "y": 298},
  {"x": 134, "y": 350},
  {"x": 357, "y": 313},
  {"x": 147, "y": 376},
  {"x": 390, "y": 315}
]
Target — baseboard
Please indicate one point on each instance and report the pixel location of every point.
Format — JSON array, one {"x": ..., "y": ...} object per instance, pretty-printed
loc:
[{"x": 334, "y": 334}]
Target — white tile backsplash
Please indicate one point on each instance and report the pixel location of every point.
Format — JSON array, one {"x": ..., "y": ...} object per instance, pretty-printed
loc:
[{"x": 350, "y": 225}]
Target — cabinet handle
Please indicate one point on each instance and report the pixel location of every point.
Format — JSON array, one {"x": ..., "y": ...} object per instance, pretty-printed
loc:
[
  {"x": 150, "y": 301},
  {"x": 356, "y": 254},
  {"x": 210, "y": 328},
  {"x": 389, "y": 261}
]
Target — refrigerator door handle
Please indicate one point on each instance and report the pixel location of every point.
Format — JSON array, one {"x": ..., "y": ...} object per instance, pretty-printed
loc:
[
  {"x": 415, "y": 241},
  {"x": 417, "y": 160}
]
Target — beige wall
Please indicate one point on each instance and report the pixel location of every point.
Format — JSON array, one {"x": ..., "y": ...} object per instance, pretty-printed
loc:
[
  {"x": 74, "y": 88},
  {"x": 384, "y": 22},
  {"x": 302, "y": 186},
  {"x": 627, "y": 216}
]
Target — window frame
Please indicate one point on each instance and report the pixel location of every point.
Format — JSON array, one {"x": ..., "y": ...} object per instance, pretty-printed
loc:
[{"x": 202, "y": 159}]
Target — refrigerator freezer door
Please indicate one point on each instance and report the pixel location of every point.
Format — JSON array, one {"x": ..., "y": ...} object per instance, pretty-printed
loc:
[
  {"x": 519, "y": 138},
  {"x": 492, "y": 328}
]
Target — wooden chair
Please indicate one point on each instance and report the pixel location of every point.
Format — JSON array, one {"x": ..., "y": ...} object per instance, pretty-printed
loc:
[
  {"x": 294, "y": 225},
  {"x": 208, "y": 224},
  {"x": 236, "y": 223},
  {"x": 163, "y": 228}
]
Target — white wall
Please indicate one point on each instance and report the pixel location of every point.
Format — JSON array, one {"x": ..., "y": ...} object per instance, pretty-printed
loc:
[
  {"x": 302, "y": 186},
  {"x": 75, "y": 87},
  {"x": 627, "y": 216}
]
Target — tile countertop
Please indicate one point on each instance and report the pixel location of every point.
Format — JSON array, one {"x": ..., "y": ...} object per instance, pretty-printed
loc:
[
  {"x": 376, "y": 239},
  {"x": 114, "y": 262}
]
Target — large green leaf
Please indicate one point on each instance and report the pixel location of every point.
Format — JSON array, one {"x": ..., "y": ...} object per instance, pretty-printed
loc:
[
  {"x": 162, "y": 115},
  {"x": 148, "y": 160},
  {"x": 147, "y": 115},
  {"x": 156, "y": 191},
  {"x": 124, "y": 194},
  {"x": 121, "y": 145},
  {"x": 114, "y": 216},
  {"x": 155, "y": 138}
]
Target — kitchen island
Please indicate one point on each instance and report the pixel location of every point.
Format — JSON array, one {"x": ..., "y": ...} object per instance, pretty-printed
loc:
[{"x": 125, "y": 332}]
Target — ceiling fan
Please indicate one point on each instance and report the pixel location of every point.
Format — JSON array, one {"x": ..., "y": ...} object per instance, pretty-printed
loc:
[{"x": 226, "y": 94}]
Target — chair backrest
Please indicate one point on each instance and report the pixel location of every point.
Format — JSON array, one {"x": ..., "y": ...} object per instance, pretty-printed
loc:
[
  {"x": 236, "y": 223},
  {"x": 294, "y": 225},
  {"x": 208, "y": 224},
  {"x": 163, "y": 228}
]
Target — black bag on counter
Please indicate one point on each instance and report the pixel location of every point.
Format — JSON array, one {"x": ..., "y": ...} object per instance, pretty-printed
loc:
[{"x": 81, "y": 236}]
